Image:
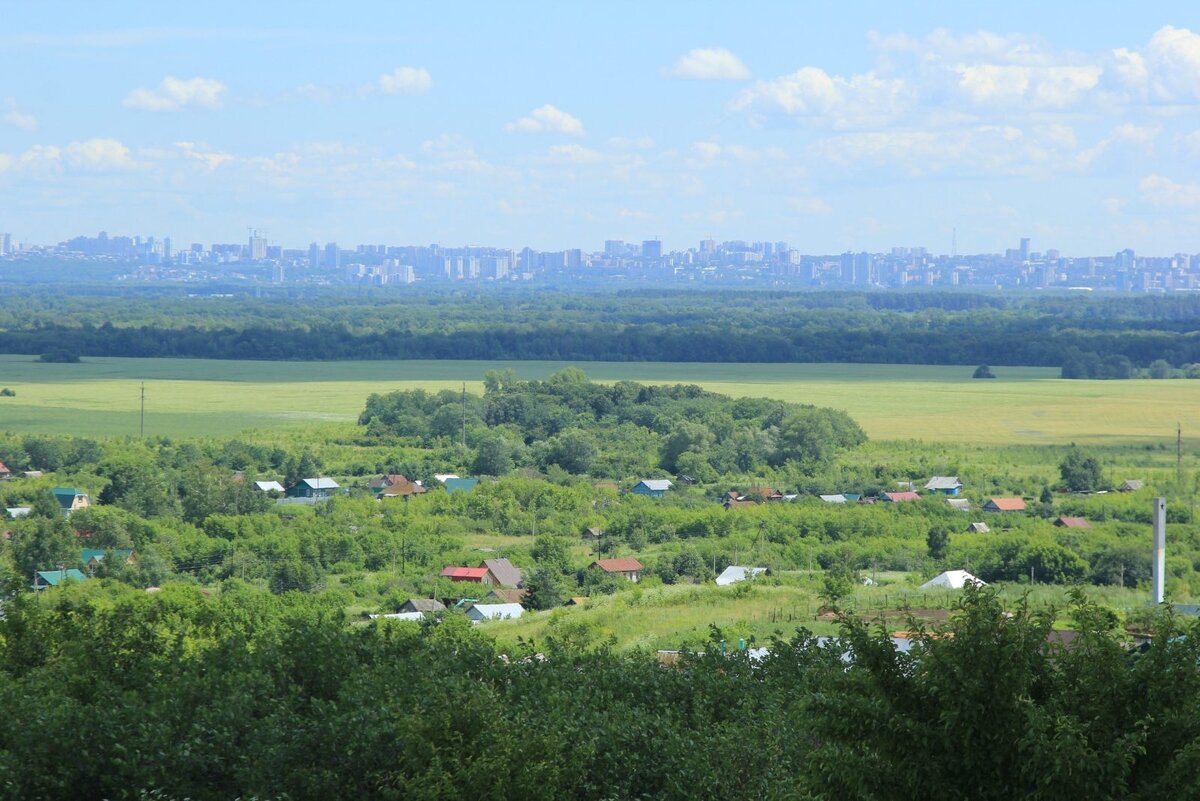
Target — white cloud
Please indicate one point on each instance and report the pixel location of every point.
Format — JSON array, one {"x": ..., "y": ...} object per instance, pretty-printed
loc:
[
  {"x": 99, "y": 155},
  {"x": 547, "y": 119},
  {"x": 406, "y": 81},
  {"x": 1039, "y": 86},
  {"x": 6, "y": 162},
  {"x": 814, "y": 94},
  {"x": 574, "y": 154},
  {"x": 709, "y": 64},
  {"x": 174, "y": 94},
  {"x": 16, "y": 118},
  {"x": 1168, "y": 70},
  {"x": 706, "y": 151},
  {"x": 1158, "y": 190},
  {"x": 209, "y": 158}
]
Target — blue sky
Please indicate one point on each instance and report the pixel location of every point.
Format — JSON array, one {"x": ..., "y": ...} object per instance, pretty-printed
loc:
[{"x": 563, "y": 124}]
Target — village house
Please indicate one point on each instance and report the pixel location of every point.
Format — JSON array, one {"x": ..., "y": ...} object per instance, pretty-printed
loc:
[
  {"x": 314, "y": 488},
  {"x": 1004, "y": 505},
  {"x": 70, "y": 499},
  {"x": 735, "y": 573},
  {"x": 652, "y": 487},
  {"x": 269, "y": 486},
  {"x": 460, "y": 484},
  {"x": 628, "y": 568},
  {"x": 593, "y": 533},
  {"x": 92, "y": 557},
  {"x": 423, "y": 606},
  {"x": 505, "y": 573},
  {"x": 900, "y": 497},
  {"x": 978, "y": 528},
  {"x": 53, "y": 578},
  {"x": 4, "y": 472},
  {"x": 1072, "y": 522},
  {"x": 478, "y": 613},
  {"x": 500, "y": 595},
  {"x": 470, "y": 575},
  {"x": 947, "y": 485}
]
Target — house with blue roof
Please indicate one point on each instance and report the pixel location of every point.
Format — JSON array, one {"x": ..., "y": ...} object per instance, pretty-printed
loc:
[
  {"x": 652, "y": 487},
  {"x": 70, "y": 499},
  {"x": 54, "y": 578}
]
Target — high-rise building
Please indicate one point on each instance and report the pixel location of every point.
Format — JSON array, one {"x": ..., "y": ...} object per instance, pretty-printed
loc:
[
  {"x": 314, "y": 256},
  {"x": 5, "y": 244},
  {"x": 258, "y": 247},
  {"x": 167, "y": 248},
  {"x": 1025, "y": 248},
  {"x": 652, "y": 249},
  {"x": 614, "y": 248},
  {"x": 333, "y": 257}
]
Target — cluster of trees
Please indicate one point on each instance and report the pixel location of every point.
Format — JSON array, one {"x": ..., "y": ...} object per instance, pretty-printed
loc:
[
  {"x": 580, "y": 427},
  {"x": 1096, "y": 337},
  {"x": 241, "y": 694}
]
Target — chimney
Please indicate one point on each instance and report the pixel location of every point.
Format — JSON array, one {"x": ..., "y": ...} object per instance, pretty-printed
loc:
[{"x": 1159, "y": 567}]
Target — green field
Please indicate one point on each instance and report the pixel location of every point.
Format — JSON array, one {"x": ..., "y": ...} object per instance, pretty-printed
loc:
[{"x": 100, "y": 397}]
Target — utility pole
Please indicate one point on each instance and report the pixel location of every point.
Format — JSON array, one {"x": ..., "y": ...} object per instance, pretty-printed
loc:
[
  {"x": 142, "y": 429},
  {"x": 464, "y": 410},
  {"x": 1179, "y": 454}
]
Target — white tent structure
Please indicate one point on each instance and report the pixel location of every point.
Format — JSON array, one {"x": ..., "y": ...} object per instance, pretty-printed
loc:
[
  {"x": 735, "y": 573},
  {"x": 952, "y": 580}
]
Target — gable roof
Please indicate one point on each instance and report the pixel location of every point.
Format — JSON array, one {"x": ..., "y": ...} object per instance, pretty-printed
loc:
[
  {"x": 66, "y": 496},
  {"x": 1072, "y": 522},
  {"x": 961, "y": 504},
  {"x": 505, "y": 571},
  {"x": 978, "y": 528},
  {"x": 952, "y": 579},
  {"x": 423, "y": 605},
  {"x": 1005, "y": 505},
  {"x": 833, "y": 498},
  {"x": 901, "y": 497},
  {"x": 398, "y": 616},
  {"x": 18, "y": 511},
  {"x": 623, "y": 564},
  {"x": 268, "y": 486},
  {"x": 495, "y": 611},
  {"x": 464, "y": 572},
  {"x": 505, "y": 596},
  {"x": 1132, "y": 485},
  {"x": 736, "y": 573},
  {"x": 655, "y": 484},
  {"x": 319, "y": 483},
  {"x": 943, "y": 483},
  {"x": 88, "y": 554},
  {"x": 55, "y": 577},
  {"x": 4, "y": 469}
]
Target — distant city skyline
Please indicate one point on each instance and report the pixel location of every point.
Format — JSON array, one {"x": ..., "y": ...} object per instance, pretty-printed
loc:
[{"x": 941, "y": 125}]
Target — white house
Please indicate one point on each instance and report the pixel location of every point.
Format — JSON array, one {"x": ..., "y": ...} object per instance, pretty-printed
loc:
[
  {"x": 735, "y": 573},
  {"x": 480, "y": 612}
]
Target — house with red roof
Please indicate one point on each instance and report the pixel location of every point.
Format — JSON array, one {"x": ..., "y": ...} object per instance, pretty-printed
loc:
[
  {"x": 628, "y": 568},
  {"x": 900, "y": 497},
  {"x": 1004, "y": 505},
  {"x": 472, "y": 575},
  {"x": 4, "y": 471}
]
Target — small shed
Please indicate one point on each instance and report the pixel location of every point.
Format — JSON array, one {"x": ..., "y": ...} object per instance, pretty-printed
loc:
[
  {"x": 961, "y": 504},
  {"x": 652, "y": 487},
  {"x": 735, "y": 573},
  {"x": 500, "y": 595},
  {"x": 592, "y": 533},
  {"x": 269, "y": 486},
  {"x": 1131, "y": 485},
  {"x": 901, "y": 497},
  {"x": 1072, "y": 522},
  {"x": 978, "y": 528},
  {"x": 480, "y": 612}
]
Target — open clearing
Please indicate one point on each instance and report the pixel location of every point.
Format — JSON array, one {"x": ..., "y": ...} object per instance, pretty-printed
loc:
[{"x": 184, "y": 397}]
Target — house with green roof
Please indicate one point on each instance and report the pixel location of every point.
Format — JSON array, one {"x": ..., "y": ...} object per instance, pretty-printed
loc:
[
  {"x": 54, "y": 578},
  {"x": 92, "y": 557},
  {"x": 70, "y": 499}
]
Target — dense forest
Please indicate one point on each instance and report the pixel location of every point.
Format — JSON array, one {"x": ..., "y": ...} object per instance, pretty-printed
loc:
[
  {"x": 117, "y": 694},
  {"x": 1102, "y": 337}
]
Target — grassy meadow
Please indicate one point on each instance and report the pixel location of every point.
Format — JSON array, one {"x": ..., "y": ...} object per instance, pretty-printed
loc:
[{"x": 1023, "y": 405}]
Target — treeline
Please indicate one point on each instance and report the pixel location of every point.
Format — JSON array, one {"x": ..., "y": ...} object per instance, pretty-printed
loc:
[
  {"x": 571, "y": 424},
  {"x": 901, "y": 328},
  {"x": 112, "y": 694}
]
